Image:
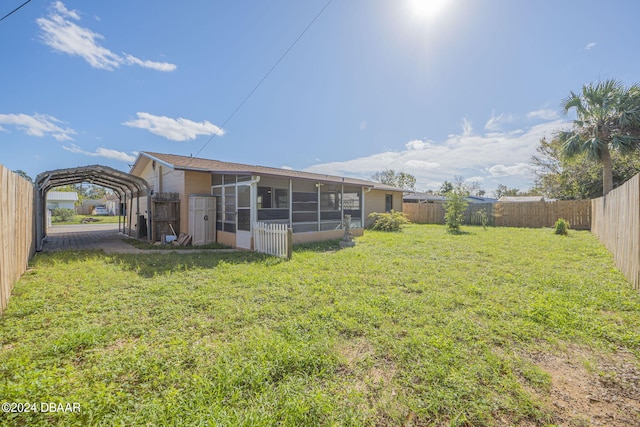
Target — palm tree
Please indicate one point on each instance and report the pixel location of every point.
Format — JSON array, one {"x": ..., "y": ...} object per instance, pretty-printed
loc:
[{"x": 608, "y": 118}]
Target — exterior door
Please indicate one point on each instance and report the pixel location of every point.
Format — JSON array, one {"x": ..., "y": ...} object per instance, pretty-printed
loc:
[
  {"x": 243, "y": 228},
  {"x": 202, "y": 219}
]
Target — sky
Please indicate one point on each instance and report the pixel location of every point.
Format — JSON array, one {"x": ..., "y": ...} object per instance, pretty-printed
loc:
[{"x": 434, "y": 88}]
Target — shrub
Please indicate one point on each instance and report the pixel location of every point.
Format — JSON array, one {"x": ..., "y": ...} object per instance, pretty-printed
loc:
[
  {"x": 63, "y": 214},
  {"x": 390, "y": 221},
  {"x": 484, "y": 218},
  {"x": 455, "y": 208},
  {"x": 561, "y": 227}
]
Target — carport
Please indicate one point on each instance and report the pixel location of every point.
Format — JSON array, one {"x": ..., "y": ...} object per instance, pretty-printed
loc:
[{"x": 126, "y": 186}]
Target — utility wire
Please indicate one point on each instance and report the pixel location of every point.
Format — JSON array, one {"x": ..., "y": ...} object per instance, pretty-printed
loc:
[
  {"x": 14, "y": 10},
  {"x": 266, "y": 75}
]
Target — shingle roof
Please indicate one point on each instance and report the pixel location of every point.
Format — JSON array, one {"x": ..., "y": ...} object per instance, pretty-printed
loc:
[
  {"x": 62, "y": 196},
  {"x": 200, "y": 164}
]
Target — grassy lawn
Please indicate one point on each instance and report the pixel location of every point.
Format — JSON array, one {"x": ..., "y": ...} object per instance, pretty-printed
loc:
[
  {"x": 77, "y": 219},
  {"x": 413, "y": 328}
]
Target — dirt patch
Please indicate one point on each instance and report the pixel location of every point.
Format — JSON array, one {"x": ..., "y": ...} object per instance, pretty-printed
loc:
[{"x": 588, "y": 390}]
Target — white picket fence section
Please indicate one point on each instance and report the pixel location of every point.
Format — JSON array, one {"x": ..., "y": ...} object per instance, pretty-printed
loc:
[{"x": 271, "y": 239}]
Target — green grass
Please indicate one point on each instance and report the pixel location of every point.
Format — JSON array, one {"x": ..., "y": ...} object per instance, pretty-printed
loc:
[
  {"x": 77, "y": 219},
  {"x": 420, "y": 327}
]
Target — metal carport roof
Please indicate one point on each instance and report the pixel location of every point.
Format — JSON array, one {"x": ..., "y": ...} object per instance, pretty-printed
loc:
[{"x": 124, "y": 184}]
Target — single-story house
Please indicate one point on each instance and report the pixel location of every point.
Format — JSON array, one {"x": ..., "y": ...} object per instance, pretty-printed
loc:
[
  {"x": 238, "y": 195},
  {"x": 520, "y": 199},
  {"x": 89, "y": 206},
  {"x": 112, "y": 203},
  {"x": 418, "y": 197},
  {"x": 61, "y": 199}
]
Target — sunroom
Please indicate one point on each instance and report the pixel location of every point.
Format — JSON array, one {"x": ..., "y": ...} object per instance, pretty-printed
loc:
[{"x": 313, "y": 209}]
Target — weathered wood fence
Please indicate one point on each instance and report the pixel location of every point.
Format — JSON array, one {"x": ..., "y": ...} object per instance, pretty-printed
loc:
[
  {"x": 17, "y": 230},
  {"x": 511, "y": 214},
  {"x": 616, "y": 222},
  {"x": 272, "y": 239}
]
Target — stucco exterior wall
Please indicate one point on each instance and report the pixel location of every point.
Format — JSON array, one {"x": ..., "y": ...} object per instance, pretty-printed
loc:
[
  {"x": 225, "y": 238},
  {"x": 375, "y": 201},
  {"x": 317, "y": 236}
]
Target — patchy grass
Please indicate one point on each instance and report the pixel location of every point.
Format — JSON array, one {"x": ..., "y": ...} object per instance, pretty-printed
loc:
[
  {"x": 419, "y": 327},
  {"x": 169, "y": 247}
]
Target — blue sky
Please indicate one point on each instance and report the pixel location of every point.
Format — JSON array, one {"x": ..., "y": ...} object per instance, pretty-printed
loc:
[{"x": 436, "y": 88}]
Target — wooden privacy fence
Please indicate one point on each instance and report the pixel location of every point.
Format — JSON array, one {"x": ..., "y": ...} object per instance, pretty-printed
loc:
[
  {"x": 17, "y": 230},
  {"x": 508, "y": 214},
  {"x": 616, "y": 222},
  {"x": 272, "y": 239}
]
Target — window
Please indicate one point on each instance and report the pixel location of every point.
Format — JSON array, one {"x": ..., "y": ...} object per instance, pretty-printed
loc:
[{"x": 388, "y": 202}]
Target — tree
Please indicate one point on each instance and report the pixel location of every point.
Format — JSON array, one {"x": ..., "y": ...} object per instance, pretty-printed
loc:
[
  {"x": 455, "y": 206},
  {"x": 395, "y": 179},
  {"x": 445, "y": 188},
  {"x": 23, "y": 174},
  {"x": 503, "y": 190},
  {"x": 607, "y": 120},
  {"x": 579, "y": 177}
]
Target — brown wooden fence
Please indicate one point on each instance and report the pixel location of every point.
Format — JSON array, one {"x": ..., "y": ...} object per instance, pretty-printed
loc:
[
  {"x": 17, "y": 230},
  {"x": 616, "y": 222},
  {"x": 511, "y": 214}
]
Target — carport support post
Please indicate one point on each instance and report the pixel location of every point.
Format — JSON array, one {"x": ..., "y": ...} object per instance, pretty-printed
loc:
[
  {"x": 149, "y": 216},
  {"x": 39, "y": 211},
  {"x": 138, "y": 215}
]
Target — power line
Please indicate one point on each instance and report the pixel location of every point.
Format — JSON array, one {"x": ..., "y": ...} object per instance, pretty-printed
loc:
[
  {"x": 14, "y": 10},
  {"x": 266, "y": 75}
]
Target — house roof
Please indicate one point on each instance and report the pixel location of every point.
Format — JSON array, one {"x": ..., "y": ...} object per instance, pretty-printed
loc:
[
  {"x": 177, "y": 162},
  {"x": 62, "y": 196},
  {"x": 424, "y": 197},
  {"x": 521, "y": 199}
]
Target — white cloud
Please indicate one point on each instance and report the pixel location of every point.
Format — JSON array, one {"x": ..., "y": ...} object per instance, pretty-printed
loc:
[
  {"x": 421, "y": 164},
  {"x": 590, "y": 46},
  {"x": 467, "y": 128},
  {"x": 174, "y": 129},
  {"x": 543, "y": 114},
  {"x": 495, "y": 123},
  {"x": 61, "y": 33},
  {"x": 103, "y": 152},
  {"x": 492, "y": 155},
  {"x": 521, "y": 169},
  {"x": 474, "y": 179},
  {"x": 417, "y": 144},
  {"x": 37, "y": 125}
]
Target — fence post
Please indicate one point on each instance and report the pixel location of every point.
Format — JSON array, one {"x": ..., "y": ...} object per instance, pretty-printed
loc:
[{"x": 289, "y": 243}]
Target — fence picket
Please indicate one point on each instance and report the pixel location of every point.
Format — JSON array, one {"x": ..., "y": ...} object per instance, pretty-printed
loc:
[
  {"x": 270, "y": 239},
  {"x": 17, "y": 232},
  {"x": 511, "y": 214}
]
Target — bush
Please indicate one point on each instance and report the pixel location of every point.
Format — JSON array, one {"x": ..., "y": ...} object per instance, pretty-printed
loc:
[
  {"x": 561, "y": 227},
  {"x": 391, "y": 221},
  {"x": 63, "y": 214},
  {"x": 455, "y": 208}
]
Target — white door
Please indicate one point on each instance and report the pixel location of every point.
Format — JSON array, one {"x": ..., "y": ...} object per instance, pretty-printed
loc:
[
  {"x": 202, "y": 219},
  {"x": 243, "y": 218}
]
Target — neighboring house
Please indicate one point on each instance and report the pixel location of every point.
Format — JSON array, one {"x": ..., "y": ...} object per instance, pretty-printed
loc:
[
  {"x": 480, "y": 199},
  {"x": 112, "y": 203},
  {"x": 520, "y": 199},
  {"x": 423, "y": 198},
  {"x": 61, "y": 199},
  {"x": 89, "y": 206},
  {"x": 312, "y": 204},
  {"x": 435, "y": 198}
]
